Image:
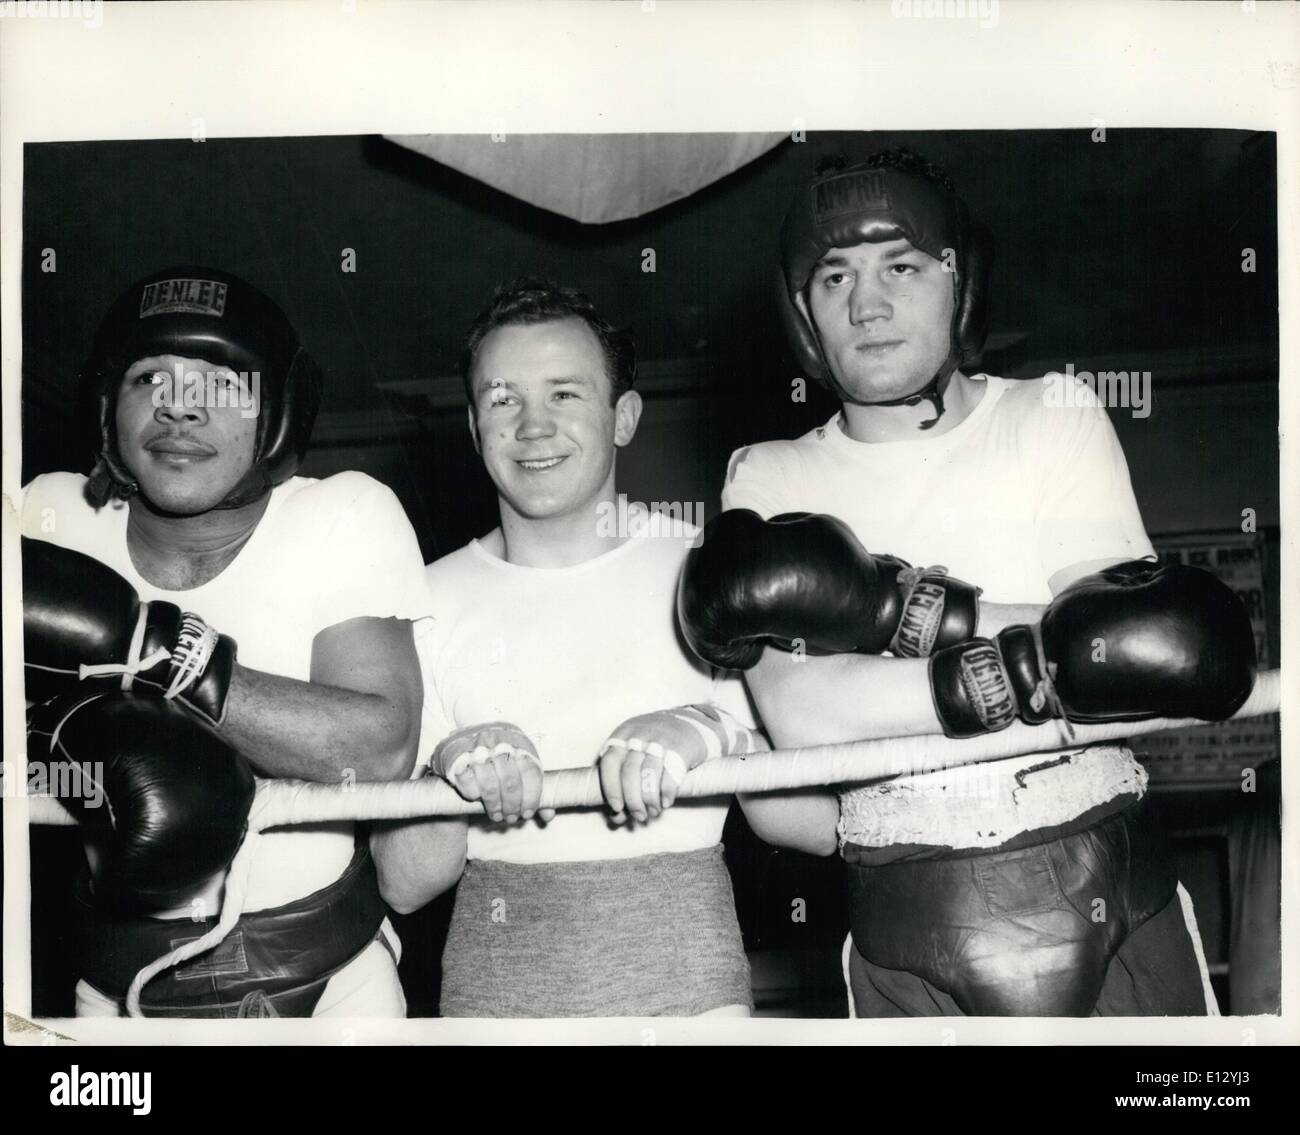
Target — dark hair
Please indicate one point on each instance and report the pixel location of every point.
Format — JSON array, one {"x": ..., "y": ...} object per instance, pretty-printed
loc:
[
  {"x": 532, "y": 300},
  {"x": 899, "y": 158}
]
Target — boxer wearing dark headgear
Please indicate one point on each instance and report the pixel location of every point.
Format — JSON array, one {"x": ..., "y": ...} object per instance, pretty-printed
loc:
[
  {"x": 860, "y": 206},
  {"x": 215, "y": 317},
  {"x": 198, "y": 596},
  {"x": 1028, "y": 886}
]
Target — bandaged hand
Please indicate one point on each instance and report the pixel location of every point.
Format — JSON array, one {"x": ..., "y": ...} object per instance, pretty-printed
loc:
[
  {"x": 496, "y": 763},
  {"x": 645, "y": 760}
]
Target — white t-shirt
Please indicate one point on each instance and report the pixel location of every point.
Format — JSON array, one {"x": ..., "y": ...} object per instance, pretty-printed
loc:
[
  {"x": 1019, "y": 490},
  {"x": 1029, "y": 483},
  {"x": 567, "y": 655},
  {"x": 324, "y": 552}
]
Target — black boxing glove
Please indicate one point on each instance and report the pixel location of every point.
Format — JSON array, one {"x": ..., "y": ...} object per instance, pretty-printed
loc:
[
  {"x": 1135, "y": 641},
  {"x": 81, "y": 620},
  {"x": 175, "y": 796},
  {"x": 752, "y": 581}
]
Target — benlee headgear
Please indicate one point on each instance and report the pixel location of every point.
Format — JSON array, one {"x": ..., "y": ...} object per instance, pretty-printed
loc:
[
  {"x": 207, "y": 314},
  {"x": 862, "y": 203}
]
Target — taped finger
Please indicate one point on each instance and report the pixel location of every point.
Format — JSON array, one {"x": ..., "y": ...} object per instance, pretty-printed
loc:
[{"x": 674, "y": 774}]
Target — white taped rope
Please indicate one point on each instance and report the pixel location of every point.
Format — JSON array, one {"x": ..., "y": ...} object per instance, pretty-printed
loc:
[{"x": 288, "y": 802}]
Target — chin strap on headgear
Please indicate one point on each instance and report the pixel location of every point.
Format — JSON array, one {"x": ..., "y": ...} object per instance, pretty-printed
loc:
[{"x": 932, "y": 391}]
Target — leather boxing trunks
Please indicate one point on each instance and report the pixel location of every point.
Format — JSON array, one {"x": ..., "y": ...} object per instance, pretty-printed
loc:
[
  {"x": 273, "y": 963},
  {"x": 1028, "y": 931}
]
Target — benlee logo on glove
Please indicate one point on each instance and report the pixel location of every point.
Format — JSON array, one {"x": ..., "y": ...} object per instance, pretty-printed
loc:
[{"x": 198, "y": 297}]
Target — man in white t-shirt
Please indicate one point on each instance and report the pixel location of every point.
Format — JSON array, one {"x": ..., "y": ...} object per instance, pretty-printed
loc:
[
  {"x": 555, "y": 647},
  {"x": 1027, "y": 886},
  {"x": 297, "y": 647}
]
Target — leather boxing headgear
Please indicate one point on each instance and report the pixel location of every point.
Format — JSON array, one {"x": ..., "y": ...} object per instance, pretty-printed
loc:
[
  {"x": 203, "y": 313},
  {"x": 862, "y": 203}
]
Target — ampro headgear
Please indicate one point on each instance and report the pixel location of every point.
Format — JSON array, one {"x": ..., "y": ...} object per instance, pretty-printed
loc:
[
  {"x": 211, "y": 315},
  {"x": 862, "y": 203}
]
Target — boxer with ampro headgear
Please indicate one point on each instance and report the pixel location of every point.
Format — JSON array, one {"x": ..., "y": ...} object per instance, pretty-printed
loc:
[
  {"x": 193, "y": 608},
  {"x": 873, "y": 206},
  {"x": 1028, "y": 886}
]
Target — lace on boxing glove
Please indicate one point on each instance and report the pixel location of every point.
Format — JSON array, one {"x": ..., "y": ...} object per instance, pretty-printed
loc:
[
  {"x": 187, "y": 660},
  {"x": 1045, "y": 696},
  {"x": 134, "y": 664},
  {"x": 194, "y": 649}
]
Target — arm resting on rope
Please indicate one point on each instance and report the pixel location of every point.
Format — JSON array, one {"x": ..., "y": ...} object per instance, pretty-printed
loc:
[
  {"x": 829, "y": 699},
  {"x": 834, "y": 698}
]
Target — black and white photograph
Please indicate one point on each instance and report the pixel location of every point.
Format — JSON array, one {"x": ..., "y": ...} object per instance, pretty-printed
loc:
[{"x": 502, "y": 573}]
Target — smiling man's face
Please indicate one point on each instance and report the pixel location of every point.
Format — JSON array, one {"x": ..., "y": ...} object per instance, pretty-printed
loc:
[
  {"x": 883, "y": 312},
  {"x": 543, "y": 416},
  {"x": 187, "y": 451}
]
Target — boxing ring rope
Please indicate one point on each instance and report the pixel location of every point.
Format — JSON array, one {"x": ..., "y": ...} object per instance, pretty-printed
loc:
[{"x": 281, "y": 803}]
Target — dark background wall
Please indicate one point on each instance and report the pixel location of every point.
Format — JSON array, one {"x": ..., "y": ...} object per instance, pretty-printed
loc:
[
  {"x": 1127, "y": 250},
  {"x": 1124, "y": 254}
]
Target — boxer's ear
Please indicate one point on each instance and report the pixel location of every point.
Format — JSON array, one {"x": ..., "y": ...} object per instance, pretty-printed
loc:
[
  {"x": 627, "y": 413},
  {"x": 473, "y": 429}
]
